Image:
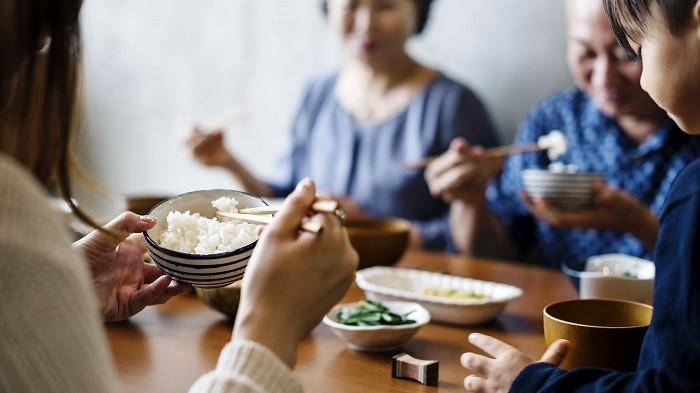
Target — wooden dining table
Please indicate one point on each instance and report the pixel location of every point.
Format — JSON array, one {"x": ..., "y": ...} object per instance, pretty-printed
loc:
[{"x": 166, "y": 348}]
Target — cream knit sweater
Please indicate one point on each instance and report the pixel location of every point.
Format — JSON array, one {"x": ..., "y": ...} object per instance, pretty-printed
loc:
[{"x": 51, "y": 334}]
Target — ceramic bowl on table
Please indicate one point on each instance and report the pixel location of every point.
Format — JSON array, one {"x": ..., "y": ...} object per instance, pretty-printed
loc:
[
  {"x": 381, "y": 337},
  {"x": 615, "y": 276},
  {"x": 603, "y": 333},
  {"x": 204, "y": 271},
  {"x": 450, "y": 299},
  {"x": 379, "y": 242},
  {"x": 224, "y": 300},
  {"x": 563, "y": 190}
]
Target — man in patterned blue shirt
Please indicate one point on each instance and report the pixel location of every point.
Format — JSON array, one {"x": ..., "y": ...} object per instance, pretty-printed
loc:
[{"x": 612, "y": 127}]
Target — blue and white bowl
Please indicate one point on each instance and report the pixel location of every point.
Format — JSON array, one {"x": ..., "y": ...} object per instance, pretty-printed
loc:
[
  {"x": 565, "y": 191},
  {"x": 203, "y": 271}
]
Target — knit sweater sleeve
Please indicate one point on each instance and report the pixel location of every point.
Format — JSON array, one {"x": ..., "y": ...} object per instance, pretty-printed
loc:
[
  {"x": 247, "y": 367},
  {"x": 52, "y": 337}
]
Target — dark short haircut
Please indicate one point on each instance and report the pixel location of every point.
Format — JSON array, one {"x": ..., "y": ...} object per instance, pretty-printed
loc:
[
  {"x": 628, "y": 17},
  {"x": 422, "y": 8}
]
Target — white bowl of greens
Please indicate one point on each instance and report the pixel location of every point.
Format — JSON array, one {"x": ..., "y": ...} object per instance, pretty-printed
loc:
[{"x": 369, "y": 325}]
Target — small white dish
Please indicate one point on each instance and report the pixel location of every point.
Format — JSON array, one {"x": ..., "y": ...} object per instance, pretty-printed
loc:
[
  {"x": 382, "y": 337},
  {"x": 615, "y": 276},
  {"x": 388, "y": 283}
]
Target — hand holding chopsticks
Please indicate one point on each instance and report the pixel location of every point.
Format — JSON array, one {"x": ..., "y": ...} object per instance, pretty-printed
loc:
[
  {"x": 494, "y": 153},
  {"x": 554, "y": 142}
]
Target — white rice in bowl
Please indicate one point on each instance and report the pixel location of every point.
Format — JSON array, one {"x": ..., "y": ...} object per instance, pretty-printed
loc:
[{"x": 193, "y": 234}]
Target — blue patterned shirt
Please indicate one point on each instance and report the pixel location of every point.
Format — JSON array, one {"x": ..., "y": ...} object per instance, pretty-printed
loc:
[{"x": 596, "y": 144}]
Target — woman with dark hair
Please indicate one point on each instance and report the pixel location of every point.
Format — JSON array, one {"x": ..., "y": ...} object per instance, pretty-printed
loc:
[
  {"x": 665, "y": 36},
  {"x": 356, "y": 128},
  {"x": 55, "y": 296}
]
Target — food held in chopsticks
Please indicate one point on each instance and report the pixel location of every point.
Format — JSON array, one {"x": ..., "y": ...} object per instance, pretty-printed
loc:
[
  {"x": 372, "y": 313},
  {"x": 554, "y": 143}
]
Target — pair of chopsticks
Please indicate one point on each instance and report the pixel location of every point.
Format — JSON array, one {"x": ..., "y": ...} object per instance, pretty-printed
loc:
[
  {"x": 263, "y": 215},
  {"x": 497, "y": 152}
]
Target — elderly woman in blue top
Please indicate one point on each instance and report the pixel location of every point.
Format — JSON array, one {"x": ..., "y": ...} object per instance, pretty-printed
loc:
[
  {"x": 612, "y": 127},
  {"x": 356, "y": 128},
  {"x": 667, "y": 34}
]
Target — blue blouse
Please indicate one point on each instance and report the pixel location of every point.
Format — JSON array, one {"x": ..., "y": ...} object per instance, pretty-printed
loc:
[
  {"x": 670, "y": 356},
  {"x": 366, "y": 160},
  {"x": 596, "y": 144}
]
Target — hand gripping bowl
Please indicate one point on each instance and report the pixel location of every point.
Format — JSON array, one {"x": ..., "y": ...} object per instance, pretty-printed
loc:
[{"x": 203, "y": 271}]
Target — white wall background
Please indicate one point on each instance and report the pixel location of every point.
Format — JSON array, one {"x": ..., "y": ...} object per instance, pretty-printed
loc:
[{"x": 155, "y": 67}]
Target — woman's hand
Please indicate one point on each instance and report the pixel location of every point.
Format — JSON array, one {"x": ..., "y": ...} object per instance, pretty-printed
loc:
[
  {"x": 208, "y": 148},
  {"x": 462, "y": 173},
  {"x": 496, "y": 374},
  {"x": 293, "y": 277},
  {"x": 123, "y": 282},
  {"x": 614, "y": 210}
]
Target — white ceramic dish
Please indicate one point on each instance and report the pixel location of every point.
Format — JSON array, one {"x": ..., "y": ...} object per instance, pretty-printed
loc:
[
  {"x": 378, "y": 338},
  {"x": 388, "y": 283},
  {"x": 616, "y": 276}
]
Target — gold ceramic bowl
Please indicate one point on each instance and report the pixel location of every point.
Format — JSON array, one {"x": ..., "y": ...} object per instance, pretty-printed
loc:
[
  {"x": 602, "y": 333},
  {"x": 225, "y": 300},
  {"x": 379, "y": 242}
]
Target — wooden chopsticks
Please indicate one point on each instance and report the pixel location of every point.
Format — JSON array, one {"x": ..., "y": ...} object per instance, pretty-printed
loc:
[
  {"x": 497, "y": 152},
  {"x": 328, "y": 206},
  {"x": 308, "y": 226},
  {"x": 262, "y": 215}
]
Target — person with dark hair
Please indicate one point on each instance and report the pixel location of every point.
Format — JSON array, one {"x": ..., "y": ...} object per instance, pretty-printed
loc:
[
  {"x": 55, "y": 296},
  {"x": 612, "y": 127},
  {"x": 664, "y": 35},
  {"x": 356, "y": 128}
]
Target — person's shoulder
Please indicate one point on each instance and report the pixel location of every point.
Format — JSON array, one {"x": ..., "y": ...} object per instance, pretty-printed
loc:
[
  {"x": 562, "y": 103},
  {"x": 683, "y": 142},
  {"x": 18, "y": 182},
  {"x": 447, "y": 88},
  {"x": 453, "y": 99},
  {"x": 321, "y": 85},
  {"x": 26, "y": 217},
  {"x": 317, "y": 91},
  {"x": 685, "y": 186}
]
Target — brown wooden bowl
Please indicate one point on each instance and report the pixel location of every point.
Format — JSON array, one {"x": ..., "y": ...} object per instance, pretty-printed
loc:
[
  {"x": 142, "y": 204},
  {"x": 224, "y": 300},
  {"x": 602, "y": 333},
  {"x": 379, "y": 242}
]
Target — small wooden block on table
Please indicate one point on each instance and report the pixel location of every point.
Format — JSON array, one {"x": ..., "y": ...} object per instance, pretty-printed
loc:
[{"x": 423, "y": 371}]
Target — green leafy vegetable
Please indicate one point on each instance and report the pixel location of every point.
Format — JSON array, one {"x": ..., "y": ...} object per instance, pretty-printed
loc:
[{"x": 372, "y": 313}]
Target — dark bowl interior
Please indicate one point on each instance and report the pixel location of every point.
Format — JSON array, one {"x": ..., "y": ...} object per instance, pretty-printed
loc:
[{"x": 379, "y": 242}]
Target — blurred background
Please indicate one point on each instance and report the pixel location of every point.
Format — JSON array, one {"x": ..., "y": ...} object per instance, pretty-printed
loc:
[{"x": 154, "y": 68}]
